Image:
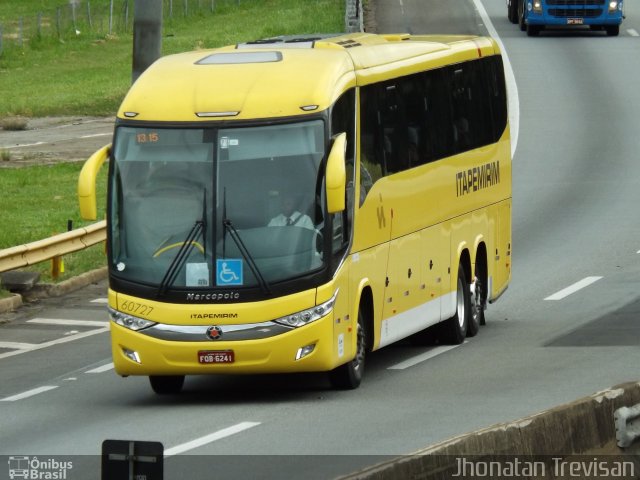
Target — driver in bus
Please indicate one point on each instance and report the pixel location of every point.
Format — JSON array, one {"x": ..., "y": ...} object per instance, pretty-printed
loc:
[{"x": 290, "y": 216}]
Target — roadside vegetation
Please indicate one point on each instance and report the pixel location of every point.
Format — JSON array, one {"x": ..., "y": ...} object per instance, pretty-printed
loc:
[{"x": 89, "y": 75}]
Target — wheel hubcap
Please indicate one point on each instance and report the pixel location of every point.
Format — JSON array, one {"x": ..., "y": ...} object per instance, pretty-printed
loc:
[{"x": 460, "y": 306}]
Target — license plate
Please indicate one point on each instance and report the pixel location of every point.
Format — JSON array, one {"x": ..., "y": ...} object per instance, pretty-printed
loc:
[
  {"x": 575, "y": 21},
  {"x": 216, "y": 356}
]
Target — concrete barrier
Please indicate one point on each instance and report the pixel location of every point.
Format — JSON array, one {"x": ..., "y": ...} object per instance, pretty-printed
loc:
[{"x": 576, "y": 440}]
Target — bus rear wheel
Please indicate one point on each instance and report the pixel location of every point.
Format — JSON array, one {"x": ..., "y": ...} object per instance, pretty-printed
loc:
[
  {"x": 455, "y": 328},
  {"x": 349, "y": 375},
  {"x": 166, "y": 384}
]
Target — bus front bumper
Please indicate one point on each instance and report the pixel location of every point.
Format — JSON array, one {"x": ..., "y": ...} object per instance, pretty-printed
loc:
[
  {"x": 305, "y": 349},
  {"x": 571, "y": 20}
]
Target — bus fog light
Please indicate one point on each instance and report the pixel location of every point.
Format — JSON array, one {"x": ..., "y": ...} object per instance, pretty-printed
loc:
[
  {"x": 131, "y": 355},
  {"x": 304, "y": 351}
]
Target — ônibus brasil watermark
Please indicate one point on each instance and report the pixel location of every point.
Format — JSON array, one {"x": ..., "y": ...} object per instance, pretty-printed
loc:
[{"x": 34, "y": 468}]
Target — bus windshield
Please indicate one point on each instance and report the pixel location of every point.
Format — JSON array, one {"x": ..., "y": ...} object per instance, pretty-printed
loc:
[{"x": 217, "y": 207}]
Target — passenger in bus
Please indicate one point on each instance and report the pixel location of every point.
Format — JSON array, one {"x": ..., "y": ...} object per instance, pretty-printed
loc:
[{"x": 290, "y": 215}]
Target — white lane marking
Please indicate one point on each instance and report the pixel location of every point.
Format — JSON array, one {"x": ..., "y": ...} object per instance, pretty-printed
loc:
[
  {"x": 75, "y": 323},
  {"x": 633, "y": 32},
  {"x": 96, "y": 135},
  {"x": 28, "y": 393},
  {"x": 23, "y": 145},
  {"x": 512, "y": 88},
  {"x": 422, "y": 357},
  {"x": 58, "y": 341},
  {"x": 103, "y": 368},
  {"x": 100, "y": 300},
  {"x": 17, "y": 345},
  {"x": 198, "y": 442},
  {"x": 585, "y": 282}
]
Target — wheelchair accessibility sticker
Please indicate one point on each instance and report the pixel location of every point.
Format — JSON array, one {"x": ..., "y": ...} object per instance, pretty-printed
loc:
[{"x": 229, "y": 272}]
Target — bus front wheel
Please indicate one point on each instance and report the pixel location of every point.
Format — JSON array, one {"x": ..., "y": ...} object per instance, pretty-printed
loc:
[
  {"x": 349, "y": 375},
  {"x": 166, "y": 384}
]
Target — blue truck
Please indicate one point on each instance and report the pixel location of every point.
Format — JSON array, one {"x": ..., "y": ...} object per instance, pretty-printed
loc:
[{"x": 535, "y": 15}]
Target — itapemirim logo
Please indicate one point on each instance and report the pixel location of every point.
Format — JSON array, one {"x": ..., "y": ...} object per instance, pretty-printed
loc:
[{"x": 33, "y": 468}]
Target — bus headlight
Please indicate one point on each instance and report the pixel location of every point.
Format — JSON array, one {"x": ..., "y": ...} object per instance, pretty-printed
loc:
[
  {"x": 537, "y": 6},
  {"x": 300, "y": 319},
  {"x": 129, "y": 321},
  {"x": 614, "y": 5}
]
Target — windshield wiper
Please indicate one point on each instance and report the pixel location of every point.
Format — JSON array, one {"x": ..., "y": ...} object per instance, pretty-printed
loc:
[
  {"x": 227, "y": 225},
  {"x": 185, "y": 249}
]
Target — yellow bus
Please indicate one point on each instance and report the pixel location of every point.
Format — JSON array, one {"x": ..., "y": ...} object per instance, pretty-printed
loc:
[{"x": 294, "y": 203}]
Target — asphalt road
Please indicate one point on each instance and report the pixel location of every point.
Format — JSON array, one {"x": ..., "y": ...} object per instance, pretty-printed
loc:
[
  {"x": 567, "y": 326},
  {"x": 53, "y": 139}
]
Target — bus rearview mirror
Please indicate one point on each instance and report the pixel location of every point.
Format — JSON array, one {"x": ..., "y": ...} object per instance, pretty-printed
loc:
[
  {"x": 336, "y": 177},
  {"x": 87, "y": 183}
]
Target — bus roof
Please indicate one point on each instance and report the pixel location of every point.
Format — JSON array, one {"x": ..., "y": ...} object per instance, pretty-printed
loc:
[{"x": 285, "y": 76}]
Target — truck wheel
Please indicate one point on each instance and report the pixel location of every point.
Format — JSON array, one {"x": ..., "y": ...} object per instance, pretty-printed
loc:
[
  {"x": 533, "y": 30},
  {"x": 512, "y": 11}
]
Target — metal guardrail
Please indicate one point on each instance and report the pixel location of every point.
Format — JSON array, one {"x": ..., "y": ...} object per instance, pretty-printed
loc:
[{"x": 55, "y": 246}]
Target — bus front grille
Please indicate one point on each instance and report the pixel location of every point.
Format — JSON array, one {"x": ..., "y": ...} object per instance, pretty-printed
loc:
[
  {"x": 575, "y": 12},
  {"x": 577, "y": 3}
]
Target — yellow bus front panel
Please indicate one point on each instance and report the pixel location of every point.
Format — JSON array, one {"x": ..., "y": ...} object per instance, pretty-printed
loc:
[{"x": 136, "y": 353}]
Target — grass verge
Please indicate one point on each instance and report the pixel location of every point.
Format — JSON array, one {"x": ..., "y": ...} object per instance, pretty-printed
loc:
[{"x": 89, "y": 75}]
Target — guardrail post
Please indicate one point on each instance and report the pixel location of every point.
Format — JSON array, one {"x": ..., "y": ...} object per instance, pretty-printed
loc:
[
  {"x": 57, "y": 267},
  {"x": 627, "y": 422},
  {"x": 57, "y": 262}
]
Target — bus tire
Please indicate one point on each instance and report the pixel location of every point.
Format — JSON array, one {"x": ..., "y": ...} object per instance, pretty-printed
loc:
[
  {"x": 166, "y": 384},
  {"x": 521, "y": 21},
  {"x": 349, "y": 375},
  {"x": 455, "y": 328}
]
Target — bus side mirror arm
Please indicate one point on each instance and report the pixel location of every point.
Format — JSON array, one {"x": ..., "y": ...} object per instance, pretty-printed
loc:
[
  {"x": 87, "y": 183},
  {"x": 336, "y": 174}
]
